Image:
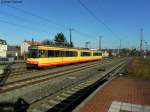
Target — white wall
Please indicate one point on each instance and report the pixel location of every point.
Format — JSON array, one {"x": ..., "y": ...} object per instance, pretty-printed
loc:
[
  {"x": 105, "y": 54},
  {"x": 24, "y": 48},
  {"x": 3, "y": 51}
]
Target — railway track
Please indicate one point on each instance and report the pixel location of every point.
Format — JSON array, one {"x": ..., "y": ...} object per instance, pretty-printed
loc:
[
  {"x": 64, "y": 89},
  {"x": 27, "y": 75},
  {"x": 22, "y": 70},
  {"x": 33, "y": 80},
  {"x": 16, "y": 73},
  {"x": 55, "y": 85},
  {"x": 67, "y": 98},
  {"x": 34, "y": 73}
]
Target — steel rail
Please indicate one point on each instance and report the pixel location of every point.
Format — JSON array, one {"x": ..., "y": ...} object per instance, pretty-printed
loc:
[
  {"x": 19, "y": 71},
  {"x": 81, "y": 88},
  {"x": 45, "y": 77}
]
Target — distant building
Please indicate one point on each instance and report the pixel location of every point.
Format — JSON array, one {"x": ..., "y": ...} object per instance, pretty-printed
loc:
[
  {"x": 3, "y": 48},
  {"x": 105, "y": 53},
  {"x": 94, "y": 49},
  {"x": 114, "y": 52},
  {"x": 26, "y": 44}
]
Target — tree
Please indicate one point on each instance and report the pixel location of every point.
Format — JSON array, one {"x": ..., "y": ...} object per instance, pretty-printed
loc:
[
  {"x": 46, "y": 42},
  {"x": 60, "y": 39}
]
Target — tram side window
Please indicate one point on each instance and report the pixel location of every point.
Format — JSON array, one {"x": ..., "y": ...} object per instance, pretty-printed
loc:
[
  {"x": 57, "y": 53},
  {"x": 97, "y": 54},
  {"x": 62, "y": 53},
  {"x": 67, "y": 53},
  {"x": 70, "y": 54},
  {"x": 75, "y": 53},
  {"x": 85, "y": 54},
  {"x": 51, "y": 53},
  {"x": 54, "y": 53},
  {"x": 43, "y": 53}
]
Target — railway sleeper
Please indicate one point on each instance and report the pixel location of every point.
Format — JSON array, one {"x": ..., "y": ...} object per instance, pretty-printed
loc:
[{"x": 79, "y": 94}]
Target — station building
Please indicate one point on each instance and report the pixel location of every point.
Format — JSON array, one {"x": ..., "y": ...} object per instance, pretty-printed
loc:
[{"x": 26, "y": 44}]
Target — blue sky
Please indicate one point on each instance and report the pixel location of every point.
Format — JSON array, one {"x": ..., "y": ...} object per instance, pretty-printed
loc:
[{"x": 123, "y": 17}]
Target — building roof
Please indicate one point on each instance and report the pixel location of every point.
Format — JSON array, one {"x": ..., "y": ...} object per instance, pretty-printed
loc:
[
  {"x": 3, "y": 42},
  {"x": 32, "y": 42}
]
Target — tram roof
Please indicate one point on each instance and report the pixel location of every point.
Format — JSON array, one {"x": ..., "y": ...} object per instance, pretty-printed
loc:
[{"x": 46, "y": 47}]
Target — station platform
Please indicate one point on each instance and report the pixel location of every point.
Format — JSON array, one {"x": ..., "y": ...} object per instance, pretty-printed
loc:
[{"x": 122, "y": 94}]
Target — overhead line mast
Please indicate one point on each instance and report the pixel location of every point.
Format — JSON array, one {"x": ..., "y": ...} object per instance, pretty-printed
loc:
[
  {"x": 141, "y": 40},
  {"x": 70, "y": 30},
  {"x": 100, "y": 42},
  {"x": 120, "y": 45}
]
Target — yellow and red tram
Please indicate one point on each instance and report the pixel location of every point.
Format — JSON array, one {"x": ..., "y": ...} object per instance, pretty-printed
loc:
[{"x": 45, "y": 56}]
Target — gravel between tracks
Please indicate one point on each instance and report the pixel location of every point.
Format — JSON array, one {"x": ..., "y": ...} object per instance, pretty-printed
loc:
[{"x": 36, "y": 91}]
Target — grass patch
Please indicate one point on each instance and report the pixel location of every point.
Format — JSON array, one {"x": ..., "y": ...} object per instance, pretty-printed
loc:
[{"x": 139, "y": 67}]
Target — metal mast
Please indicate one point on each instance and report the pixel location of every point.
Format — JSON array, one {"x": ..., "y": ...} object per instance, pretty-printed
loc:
[
  {"x": 141, "y": 40},
  {"x": 100, "y": 42}
]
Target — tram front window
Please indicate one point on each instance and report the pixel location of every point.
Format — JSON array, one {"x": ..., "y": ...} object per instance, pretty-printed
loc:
[{"x": 33, "y": 53}]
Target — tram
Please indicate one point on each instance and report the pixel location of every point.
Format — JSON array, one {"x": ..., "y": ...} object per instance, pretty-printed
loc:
[{"x": 46, "y": 56}]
